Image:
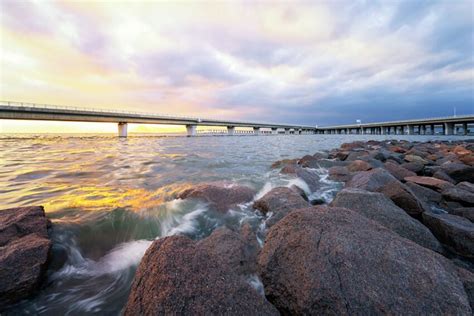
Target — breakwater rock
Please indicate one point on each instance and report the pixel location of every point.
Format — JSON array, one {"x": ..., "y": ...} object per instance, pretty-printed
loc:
[
  {"x": 397, "y": 239},
  {"x": 24, "y": 249}
]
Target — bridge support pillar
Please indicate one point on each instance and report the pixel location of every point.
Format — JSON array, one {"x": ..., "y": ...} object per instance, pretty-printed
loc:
[
  {"x": 423, "y": 129},
  {"x": 230, "y": 130},
  {"x": 432, "y": 129},
  {"x": 464, "y": 129},
  {"x": 274, "y": 131},
  {"x": 191, "y": 129},
  {"x": 287, "y": 131},
  {"x": 448, "y": 128},
  {"x": 256, "y": 130},
  {"x": 410, "y": 129},
  {"x": 122, "y": 129}
]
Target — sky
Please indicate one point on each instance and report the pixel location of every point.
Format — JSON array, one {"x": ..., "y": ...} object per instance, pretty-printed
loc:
[{"x": 312, "y": 62}]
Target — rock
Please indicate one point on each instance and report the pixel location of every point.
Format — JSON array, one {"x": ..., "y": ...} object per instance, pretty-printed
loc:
[
  {"x": 466, "y": 212},
  {"x": 429, "y": 171},
  {"x": 467, "y": 186},
  {"x": 424, "y": 194},
  {"x": 468, "y": 160},
  {"x": 380, "y": 180},
  {"x": 180, "y": 276},
  {"x": 461, "y": 151},
  {"x": 308, "y": 176},
  {"x": 340, "y": 174},
  {"x": 326, "y": 163},
  {"x": 397, "y": 149},
  {"x": 234, "y": 250},
  {"x": 22, "y": 221},
  {"x": 459, "y": 195},
  {"x": 280, "y": 201},
  {"x": 467, "y": 278},
  {"x": 397, "y": 171},
  {"x": 381, "y": 209},
  {"x": 416, "y": 167},
  {"x": 353, "y": 145},
  {"x": 219, "y": 197},
  {"x": 358, "y": 165},
  {"x": 414, "y": 158},
  {"x": 282, "y": 163},
  {"x": 459, "y": 172},
  {"x": 334, "y": 261},
  {"x": 429, "y": 182},
  {"x": 454, "y": 231},
  {"x": 440, "y": 174},
  {"x": 24, "y": 248},
  {"x": 307, "y": 161},
  {"x": 356, "y": 155},
  {"x": 299, "y": 191},
  {"x": 321, "y": 155}
]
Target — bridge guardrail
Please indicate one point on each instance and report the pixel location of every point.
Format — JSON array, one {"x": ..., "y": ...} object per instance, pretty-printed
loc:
[{"x": 144, "y": 114}]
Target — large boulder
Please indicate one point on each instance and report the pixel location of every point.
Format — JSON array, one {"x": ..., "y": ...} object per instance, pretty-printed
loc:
[
  {"x": 219, "y": 196},
  {"x": 414, "y": 166},
  {"x": 279, "y": 201},
  {"x": 24, "y": 248},
  {"x": 466, "y": 212},
  {"x": 425, "y": 194},
  {"x": 334, "y": 261},
  {"x": 359, "y": 165},
  {"x": 381, "y": 209},
  {"x": 180, "y": 276},
  {"x": 397, "y": 171},
  {"x": 430, "y": 182},
  {"x": 339, "y": 173},
  {"x": 459, "y": 194},
  {"x": 467, "y": 279},
  {"x": 458, "y": 171},
  {"x": 380, "y": 180},
  {"x": 454, "y": 231}
]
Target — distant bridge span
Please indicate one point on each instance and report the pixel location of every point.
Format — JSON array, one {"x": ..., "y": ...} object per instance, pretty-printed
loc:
[
  {"x": 449, "y": 125},
  {"x": 32, "y": 111}
]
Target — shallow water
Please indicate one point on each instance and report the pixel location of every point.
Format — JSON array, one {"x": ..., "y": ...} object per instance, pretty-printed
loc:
[{"x": 109, "y": 198}]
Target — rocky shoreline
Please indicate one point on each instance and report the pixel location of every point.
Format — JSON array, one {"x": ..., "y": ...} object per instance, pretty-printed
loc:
[{"x": 397, "y": 239}]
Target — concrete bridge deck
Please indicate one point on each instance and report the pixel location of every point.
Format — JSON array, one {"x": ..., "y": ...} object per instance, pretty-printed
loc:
[
  {"x": 32, "y": 111},
  {"x": 449, "y": 125}
]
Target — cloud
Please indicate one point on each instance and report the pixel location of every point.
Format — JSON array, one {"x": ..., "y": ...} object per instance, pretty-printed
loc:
[{"x": 314, "y": 63}]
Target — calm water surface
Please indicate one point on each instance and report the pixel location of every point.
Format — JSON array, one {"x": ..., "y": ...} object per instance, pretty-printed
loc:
[{"x": 109, "y": 198}]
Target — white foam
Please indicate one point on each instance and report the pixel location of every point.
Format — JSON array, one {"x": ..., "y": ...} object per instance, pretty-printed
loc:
[
  {"x": 300, "y": 183},
  {"x": 256, "y": 283},
  {"x": 122, "y": 257},
  {"x": 266, "y": 188},
  {"x": 187, "y": 224}
]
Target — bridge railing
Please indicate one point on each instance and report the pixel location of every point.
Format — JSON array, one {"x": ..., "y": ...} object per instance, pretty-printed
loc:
[
  {"x": 411, "y": 121},
  {"x": 143, "y": 114}
]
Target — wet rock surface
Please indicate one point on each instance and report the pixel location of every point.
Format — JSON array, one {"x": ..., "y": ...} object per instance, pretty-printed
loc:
[
  {"x": 378, "y": 207},
  {"x": 180, "y": 276},
  {"x": 279, "y": 201},
  {"x": 219, "y": 196},
  {"x": 325, "y": 260},
  {"x": 380, "y": 180},
  {"x": 24, "y": 249}
]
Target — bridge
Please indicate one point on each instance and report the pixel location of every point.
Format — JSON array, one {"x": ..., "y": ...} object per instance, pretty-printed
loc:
[
  {"x": 32, "y": 111},
  {"x": 449, "y": 125}
]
